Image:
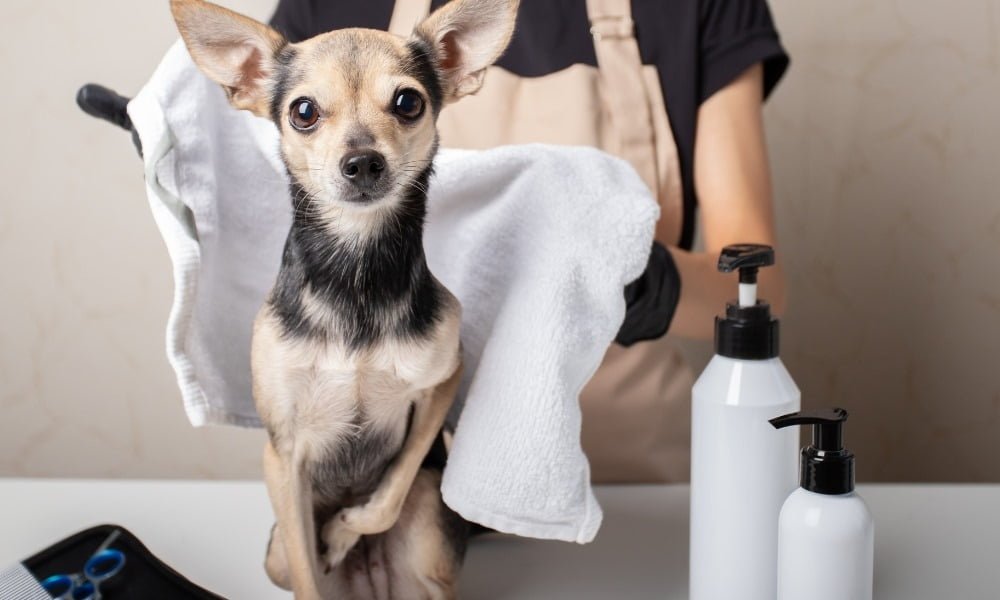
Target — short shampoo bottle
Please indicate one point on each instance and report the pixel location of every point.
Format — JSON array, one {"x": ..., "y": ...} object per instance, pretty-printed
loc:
[{"x": 825, "y": 531}]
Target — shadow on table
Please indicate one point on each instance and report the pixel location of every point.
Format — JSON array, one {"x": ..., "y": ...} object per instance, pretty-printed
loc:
[{"x": 635, "y": 555}]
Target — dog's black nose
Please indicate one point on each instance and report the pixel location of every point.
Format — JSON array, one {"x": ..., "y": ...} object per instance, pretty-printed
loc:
[{"x": 362, "y": 167}]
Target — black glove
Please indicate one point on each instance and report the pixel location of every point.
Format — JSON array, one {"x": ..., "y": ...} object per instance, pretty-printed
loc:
[{"x": 650, "y": 300}]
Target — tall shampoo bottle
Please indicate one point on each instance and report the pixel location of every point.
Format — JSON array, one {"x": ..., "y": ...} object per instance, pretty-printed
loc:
[
  {"x": 826, "y": 535},
  {"x": 741, "y": 473}
]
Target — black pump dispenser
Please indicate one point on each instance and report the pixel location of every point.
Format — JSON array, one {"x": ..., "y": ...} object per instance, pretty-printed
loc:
[
  {"x": 748, "y": 331},
  {"x": 827, "y": 468}
]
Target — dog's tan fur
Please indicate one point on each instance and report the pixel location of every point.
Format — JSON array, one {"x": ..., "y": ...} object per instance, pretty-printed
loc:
[
  {"x": 314, "y": 393},
  {"x": 352, "y": 99}
]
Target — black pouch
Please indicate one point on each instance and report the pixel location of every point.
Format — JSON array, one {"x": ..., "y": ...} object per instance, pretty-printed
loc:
[{"x": 143, "y": 576}]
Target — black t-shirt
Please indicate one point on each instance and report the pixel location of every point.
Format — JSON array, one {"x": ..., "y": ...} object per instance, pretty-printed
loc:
[{"x": 697, "y": 46}]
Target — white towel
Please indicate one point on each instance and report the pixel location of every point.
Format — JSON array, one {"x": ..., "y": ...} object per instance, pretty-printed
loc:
[{"x": 537, "y": 242}]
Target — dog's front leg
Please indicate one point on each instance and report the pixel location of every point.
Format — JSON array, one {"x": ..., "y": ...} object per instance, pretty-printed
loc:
[
  {"x": 293, "y": 510},
  {"x": 383, "y": 508}
]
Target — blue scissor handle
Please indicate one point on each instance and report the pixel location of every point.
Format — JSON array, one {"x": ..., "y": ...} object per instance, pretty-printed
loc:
[
  {"x": 104, "y": 565},
  {"x": 59, "y": 586},
  {"x": 100, "y": 567},
  {"x": 65, "y": 587},
  {"x": 85, "y": 590}
]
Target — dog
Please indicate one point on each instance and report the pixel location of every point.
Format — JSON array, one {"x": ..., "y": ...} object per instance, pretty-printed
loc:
[{"x": 355, "y": 355}]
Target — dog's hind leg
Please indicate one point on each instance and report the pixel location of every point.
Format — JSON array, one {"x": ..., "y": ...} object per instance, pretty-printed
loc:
[
  {"x": 427, "y": 545},
  {"x": 276, "y": 563},
  {"x": 419, "y": 558},
  {"x": 291, "y": 497}
]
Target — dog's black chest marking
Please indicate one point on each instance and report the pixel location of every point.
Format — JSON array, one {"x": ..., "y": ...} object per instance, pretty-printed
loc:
[{"x": 374, "y": 287}]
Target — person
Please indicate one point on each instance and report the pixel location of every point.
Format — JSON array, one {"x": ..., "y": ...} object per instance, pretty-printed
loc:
[{"x": 676, "y": 88}]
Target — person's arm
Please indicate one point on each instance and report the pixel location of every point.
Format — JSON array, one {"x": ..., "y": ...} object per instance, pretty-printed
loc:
[{"x": 732, "y": 180}]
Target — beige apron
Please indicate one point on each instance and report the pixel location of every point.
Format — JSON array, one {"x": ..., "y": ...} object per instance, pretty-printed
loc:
[{"x": 636, "y": 409}]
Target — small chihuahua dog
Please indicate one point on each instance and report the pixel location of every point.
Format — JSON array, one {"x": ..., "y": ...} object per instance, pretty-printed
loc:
[{"x": 355, "y": 356}]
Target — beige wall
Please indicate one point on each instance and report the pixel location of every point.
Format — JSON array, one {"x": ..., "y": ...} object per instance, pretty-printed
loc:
[
  {"x": 884, "y": 141},
  {"x": 85, "y": 388}
]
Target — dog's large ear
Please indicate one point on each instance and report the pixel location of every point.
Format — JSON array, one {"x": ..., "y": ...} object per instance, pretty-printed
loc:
[
  {"x": 235, "y": 51},
  {"x": 467, "y": 36}
]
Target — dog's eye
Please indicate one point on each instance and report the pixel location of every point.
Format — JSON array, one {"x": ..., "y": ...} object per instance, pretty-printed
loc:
[
  {"x": 408, "y": 104},
  {"x": 304, "y": 114}
]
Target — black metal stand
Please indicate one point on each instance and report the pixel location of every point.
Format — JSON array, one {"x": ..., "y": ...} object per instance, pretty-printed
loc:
[{"x": 102, "y": 103}]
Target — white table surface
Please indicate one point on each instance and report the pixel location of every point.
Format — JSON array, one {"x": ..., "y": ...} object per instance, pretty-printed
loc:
[{"x": 933, "y": 542}]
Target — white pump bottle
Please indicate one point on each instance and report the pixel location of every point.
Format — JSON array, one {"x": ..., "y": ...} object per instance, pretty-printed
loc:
[
  {"x": 741, "y": 472},
  {"x": 826, "y": 536}
]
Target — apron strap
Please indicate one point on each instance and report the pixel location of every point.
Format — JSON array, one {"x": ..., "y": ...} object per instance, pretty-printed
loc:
[
  {"x": 623, "y": 87},
  {"x": 406, "y": 14}
]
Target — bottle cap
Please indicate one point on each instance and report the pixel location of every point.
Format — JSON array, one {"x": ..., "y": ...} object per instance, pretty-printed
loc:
[
  {"x": 826, "y": 468},
  {"x": 748, "y": 331}
]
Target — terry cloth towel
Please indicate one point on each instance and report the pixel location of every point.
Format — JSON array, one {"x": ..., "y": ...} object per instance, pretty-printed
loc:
[{"x": 537, "y": 242}]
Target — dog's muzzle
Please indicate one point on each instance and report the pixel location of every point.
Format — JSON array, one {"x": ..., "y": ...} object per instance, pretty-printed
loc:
[{"x": 363, "y": 168}]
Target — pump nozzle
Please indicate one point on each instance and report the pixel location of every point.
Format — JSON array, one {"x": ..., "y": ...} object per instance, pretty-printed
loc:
[
  {"x": 828, "y": 430},
  {"x": 747, "y": 331},
  {"x": 827, "y": 468},
  {"x": 748, "y": 258}
]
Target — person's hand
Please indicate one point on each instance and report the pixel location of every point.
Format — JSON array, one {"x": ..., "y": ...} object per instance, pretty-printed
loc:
[{"x": 651, "y": 299}]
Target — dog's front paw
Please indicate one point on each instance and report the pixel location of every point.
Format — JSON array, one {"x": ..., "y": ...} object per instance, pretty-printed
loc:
[
  {"x": 339, "y": 540},
  {"x": 369, "y": 519}
]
